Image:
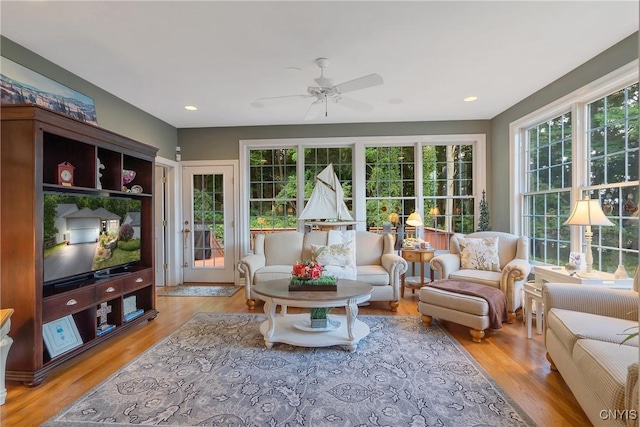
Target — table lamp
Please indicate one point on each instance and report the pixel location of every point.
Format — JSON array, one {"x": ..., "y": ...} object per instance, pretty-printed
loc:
[
  {"x": 434, "y": 212},
  {"x": 588, "y": 212},
  {"x": 415, "y": 220}
]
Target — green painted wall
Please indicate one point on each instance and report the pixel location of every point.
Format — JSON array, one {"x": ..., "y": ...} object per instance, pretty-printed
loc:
[
  {"x": 113, "y": 113},
  {"x": 611, "y": 59},
  {"x": 222, "y": 143}
]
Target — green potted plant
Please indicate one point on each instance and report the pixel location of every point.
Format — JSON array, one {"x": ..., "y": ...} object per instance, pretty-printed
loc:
[{"x": 319, "y": 317}]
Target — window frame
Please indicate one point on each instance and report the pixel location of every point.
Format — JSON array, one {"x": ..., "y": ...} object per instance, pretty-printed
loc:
[
  {"x": 576, "y": 103},
  {"x": 358, "y": 144}
]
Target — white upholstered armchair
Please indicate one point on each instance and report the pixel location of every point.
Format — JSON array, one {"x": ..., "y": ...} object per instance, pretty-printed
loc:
[{"x": 508, "y": 274}]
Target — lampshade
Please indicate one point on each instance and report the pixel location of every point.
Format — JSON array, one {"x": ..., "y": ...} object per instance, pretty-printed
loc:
[
  {"x": 414, "y": 219},
  {"x": 434, "y": 211},
  {"x": 587, "y": 212}
]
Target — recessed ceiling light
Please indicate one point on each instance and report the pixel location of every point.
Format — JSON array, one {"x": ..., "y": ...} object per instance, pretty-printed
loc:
[
  {"x": 190, "y": 107},
  {"x": 470, "y": 98},
  {"x": 257, "y": 105},
  {"x": 395, "y": 101}
]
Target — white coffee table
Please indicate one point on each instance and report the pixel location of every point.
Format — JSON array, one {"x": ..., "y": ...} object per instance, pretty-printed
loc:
[{"x": 294, "y": 328}]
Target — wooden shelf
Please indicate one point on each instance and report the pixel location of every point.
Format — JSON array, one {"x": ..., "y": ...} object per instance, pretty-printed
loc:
[{"x": 35, "y": 141}]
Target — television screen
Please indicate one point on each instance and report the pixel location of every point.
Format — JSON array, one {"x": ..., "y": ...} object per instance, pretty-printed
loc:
[{"x": 84, "y": 234}]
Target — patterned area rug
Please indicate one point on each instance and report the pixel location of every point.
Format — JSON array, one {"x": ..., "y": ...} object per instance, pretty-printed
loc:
[
  {"x": 216, "y": 371},
  {"x": 200, "y": 291}
]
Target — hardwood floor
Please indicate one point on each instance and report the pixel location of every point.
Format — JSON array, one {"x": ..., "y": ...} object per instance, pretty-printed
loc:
[{"x": 517, "y": 364}]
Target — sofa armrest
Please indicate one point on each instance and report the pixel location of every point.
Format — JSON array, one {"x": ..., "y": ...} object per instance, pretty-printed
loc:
[
  {"x": 445, "y": 264},
  {"x": 248, "y": 266},
  {"x": 591, "y": 299},
  {"x": 396, "y": 266},
  {"x": 631, "y": 394},
  {"x": 513, "y": 277}
]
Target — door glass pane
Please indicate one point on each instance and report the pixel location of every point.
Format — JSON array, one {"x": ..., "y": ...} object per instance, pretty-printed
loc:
[{"x": 208, "y": 221}]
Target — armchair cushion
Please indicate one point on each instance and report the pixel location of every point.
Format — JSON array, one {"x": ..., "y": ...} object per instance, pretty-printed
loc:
[
  {"x": 571, "y": 326},
  {"x": 488, "y": 278},
  {"x": 479, "y": 254},
  {"x": 606, "y": 365}
]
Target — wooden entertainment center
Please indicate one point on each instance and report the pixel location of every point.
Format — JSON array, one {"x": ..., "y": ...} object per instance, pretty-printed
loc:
[{"x": 38, "y": 145}]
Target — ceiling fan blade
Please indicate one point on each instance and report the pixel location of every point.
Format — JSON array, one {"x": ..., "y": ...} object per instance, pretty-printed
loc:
[
  {"x": 360, "y": 83},
  {"x": 285, "y": 96},
  {"x": 354, "y": 104},
  {"x": 315, "y": 110}
]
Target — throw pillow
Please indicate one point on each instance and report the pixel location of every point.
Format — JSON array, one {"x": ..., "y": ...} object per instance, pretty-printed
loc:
[
  {"x": 340, "y": 254},
  {"x": 344, "y": 236},
  {"x": 479, "y": 254}
]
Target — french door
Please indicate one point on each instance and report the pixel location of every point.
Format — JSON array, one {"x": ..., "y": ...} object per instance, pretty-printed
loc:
[{"x": 207, "y": 231}]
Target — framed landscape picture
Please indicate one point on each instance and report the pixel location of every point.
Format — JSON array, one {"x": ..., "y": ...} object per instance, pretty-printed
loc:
[
  {"x": 61, "y": 335},
  {"x": 20, "y": 85}
]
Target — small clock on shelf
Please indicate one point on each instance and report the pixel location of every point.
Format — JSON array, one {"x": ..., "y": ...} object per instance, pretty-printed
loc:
[{"x": 65, "y": 174}]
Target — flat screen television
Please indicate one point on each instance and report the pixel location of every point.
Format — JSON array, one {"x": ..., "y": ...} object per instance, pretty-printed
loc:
[{"x": 88, "y": 235}]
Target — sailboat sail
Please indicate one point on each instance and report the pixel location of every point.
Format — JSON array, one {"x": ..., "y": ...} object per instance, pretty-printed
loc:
[{"x": 327, "y": 199}]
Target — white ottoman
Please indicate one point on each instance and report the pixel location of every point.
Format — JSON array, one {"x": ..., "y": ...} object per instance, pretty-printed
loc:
[{"x": 457, "y": 308}]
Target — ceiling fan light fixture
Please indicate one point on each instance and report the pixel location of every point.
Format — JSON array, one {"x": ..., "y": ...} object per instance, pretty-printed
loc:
[{"x": 326, "y": 91}]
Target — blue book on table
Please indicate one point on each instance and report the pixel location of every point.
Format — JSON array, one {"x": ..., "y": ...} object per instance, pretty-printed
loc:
[
  {"x": 109, "y": 328},
  {"x": 139, "y": 312}
]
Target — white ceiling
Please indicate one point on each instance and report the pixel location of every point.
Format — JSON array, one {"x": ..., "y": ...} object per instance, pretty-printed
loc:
[{"x": 223, "y": 56}]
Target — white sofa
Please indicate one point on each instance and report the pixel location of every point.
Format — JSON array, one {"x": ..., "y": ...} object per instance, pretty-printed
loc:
[
  {"x": 585, "y": 327},
  {"x": 274, "y": 256},
  {"x": 513, "y": 252}
]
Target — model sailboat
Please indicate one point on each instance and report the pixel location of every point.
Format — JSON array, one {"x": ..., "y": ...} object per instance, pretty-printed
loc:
[{"x": 327, "y": 200}]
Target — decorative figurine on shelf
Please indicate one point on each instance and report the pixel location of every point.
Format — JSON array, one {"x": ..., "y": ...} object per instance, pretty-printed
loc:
[
  {"x": 483, "y": 223},
  {"x": 99, "y": 174},
  {"x": 102, "y": 312},
  {"x": 128, "y": 176},
  {"x": 65, "y": 174}
]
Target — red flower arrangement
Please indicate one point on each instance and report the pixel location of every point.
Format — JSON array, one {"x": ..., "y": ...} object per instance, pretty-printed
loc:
[
  {"x": 307, "y": 270},
  {"x": 310, "y": 273}
]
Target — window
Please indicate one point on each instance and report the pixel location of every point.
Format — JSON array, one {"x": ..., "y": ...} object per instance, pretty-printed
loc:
[
  {"x": 390, "y": 184},
  {"x": 316, "y": 159},
  {"x": 386, "y": 174},
  {"x": 612, "y": 138},
  {"x": 559, "y": 159},
  {"x": 272, "y": 189},
  {"x": 547, "y": 197},
  {"x": 447, "y": 187}
]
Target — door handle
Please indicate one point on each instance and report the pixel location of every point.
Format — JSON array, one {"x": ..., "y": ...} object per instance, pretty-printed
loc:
[{"x": 185, "y": 233}]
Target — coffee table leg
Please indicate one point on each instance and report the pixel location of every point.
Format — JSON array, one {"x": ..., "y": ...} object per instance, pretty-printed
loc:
[
  {"x": 270, "y": 311},
  {"x": 352, "y": 313}
]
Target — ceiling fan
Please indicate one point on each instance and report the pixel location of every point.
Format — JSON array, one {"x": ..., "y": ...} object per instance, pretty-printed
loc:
[{"x": 326, "y": 91}]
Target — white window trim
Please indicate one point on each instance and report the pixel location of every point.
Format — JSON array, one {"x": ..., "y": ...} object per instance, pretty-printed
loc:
[
  {"x": 574, "y": 102},
  {"x": 358, "y": 144}
]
